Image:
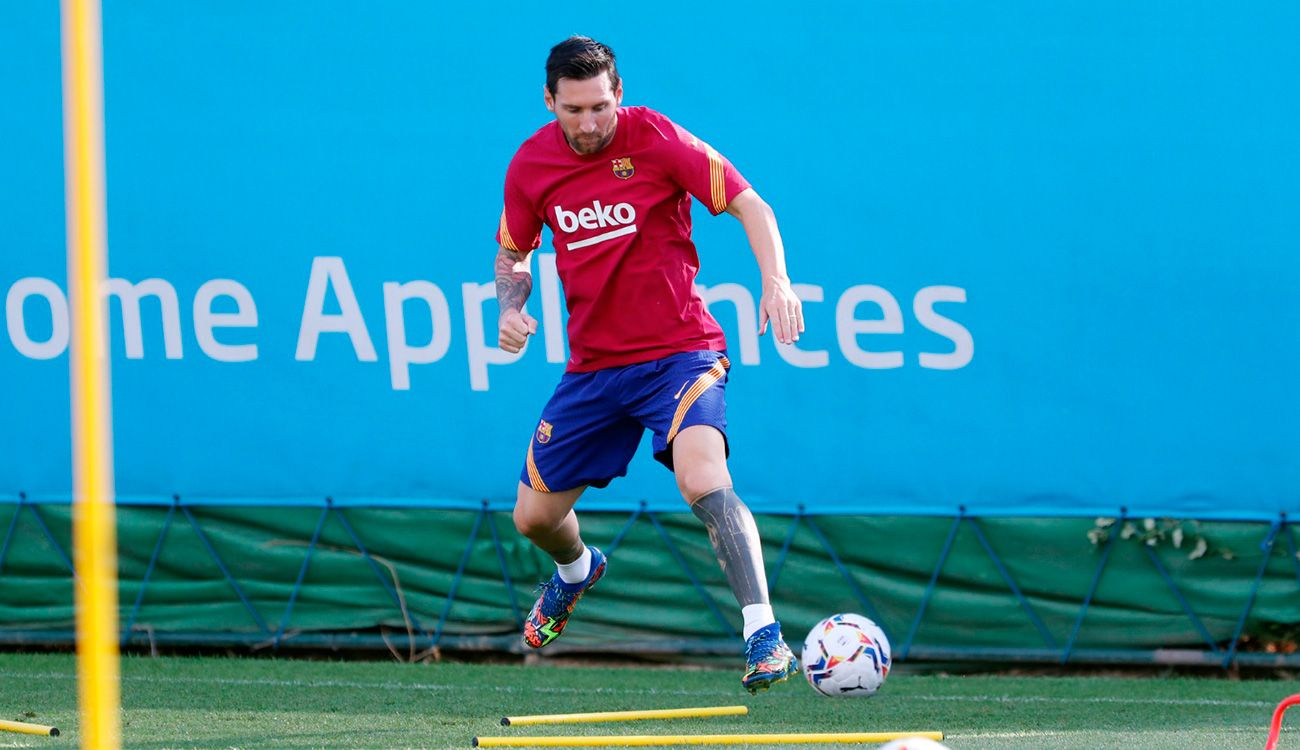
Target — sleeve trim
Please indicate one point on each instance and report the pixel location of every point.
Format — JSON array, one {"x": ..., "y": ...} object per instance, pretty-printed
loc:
[
  {"x": 506, "y": 240},
  {"x": 717, "y": 182}
]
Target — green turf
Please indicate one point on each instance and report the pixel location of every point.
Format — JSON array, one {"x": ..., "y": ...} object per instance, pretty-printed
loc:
[{"x": 175, "y": 702}]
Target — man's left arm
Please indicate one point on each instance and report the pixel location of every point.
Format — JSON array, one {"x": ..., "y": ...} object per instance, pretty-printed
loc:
[{"x": 779, "y": 303}]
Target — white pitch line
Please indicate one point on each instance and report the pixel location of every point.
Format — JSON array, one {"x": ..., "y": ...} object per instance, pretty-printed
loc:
[
  {"x": 1094, "y": 699},
  {"x": 390, "y": 685},
  {"x": 266, "y": 682},
  {"x": 1030, "y": 733}
]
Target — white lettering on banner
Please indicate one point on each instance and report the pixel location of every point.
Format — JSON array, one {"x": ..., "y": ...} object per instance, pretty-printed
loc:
[
  {"x": 481, "y": 349},
  {"x": 481, "y": 352},
  {"x": 746, "y": 317},
  {"x": 205, "y": 320},
  {"x": 791, "y": 353},
  {"x": 325, "y": 272},
  {"x": 964, "y": 344},
  {"x": 33, "y": 286},
  {"x": 552, "y": 317},
  {"x": 849, "y": 327},
  {"x": 128, "y": 296},
  {"x": 400, "y": 353}
]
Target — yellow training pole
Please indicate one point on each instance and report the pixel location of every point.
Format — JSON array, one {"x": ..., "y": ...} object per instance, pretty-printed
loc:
[
  {"x": 700, "y": 739},
  {"x": 94, "y": 534},
  {"x": 660, "y": 713},
  {"x": 24, "y": 728}
]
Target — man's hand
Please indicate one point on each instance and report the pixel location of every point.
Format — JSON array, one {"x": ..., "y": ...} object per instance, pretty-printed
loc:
[
  {"x": 513, "y": 329},
  {"x": 781, "y": 306}
]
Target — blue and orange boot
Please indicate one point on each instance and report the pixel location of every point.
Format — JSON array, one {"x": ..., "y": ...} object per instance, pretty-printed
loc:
[
  {"x": 768, "y": 659},
  {"x": 551, "y": 612}
]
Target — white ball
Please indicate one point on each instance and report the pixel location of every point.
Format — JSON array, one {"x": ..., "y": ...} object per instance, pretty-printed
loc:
[
  {"x": 914, "y": 743},
  {"x": 846, "y": 655}
]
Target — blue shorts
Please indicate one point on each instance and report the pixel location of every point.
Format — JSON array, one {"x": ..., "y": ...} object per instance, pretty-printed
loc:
[{"x": 593, "y": 423}]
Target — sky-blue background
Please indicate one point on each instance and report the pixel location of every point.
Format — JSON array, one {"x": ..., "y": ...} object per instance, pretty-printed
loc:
[{"x": 1114, "y": 185}]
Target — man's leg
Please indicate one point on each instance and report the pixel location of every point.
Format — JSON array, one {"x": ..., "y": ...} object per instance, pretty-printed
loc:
[
  {"x": 700, "y": 465},
  {"x": 548, "y": 520}
]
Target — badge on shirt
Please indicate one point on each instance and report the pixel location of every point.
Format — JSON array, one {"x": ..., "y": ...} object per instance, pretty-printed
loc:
[{"x": 623, "y": 168}]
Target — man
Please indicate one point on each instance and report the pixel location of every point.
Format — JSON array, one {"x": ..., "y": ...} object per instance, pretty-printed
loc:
[{"x": 614, "y": 184}]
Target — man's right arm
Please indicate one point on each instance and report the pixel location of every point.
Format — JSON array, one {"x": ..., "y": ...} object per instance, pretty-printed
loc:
[{"x": 514, "y": 284}]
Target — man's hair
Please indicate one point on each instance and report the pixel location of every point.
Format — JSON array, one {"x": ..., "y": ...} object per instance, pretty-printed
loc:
[{"x": 580, "y": 58}]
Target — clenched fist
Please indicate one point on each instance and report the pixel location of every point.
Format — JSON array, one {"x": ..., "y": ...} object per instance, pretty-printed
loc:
[{"x": 514, "y": 328}]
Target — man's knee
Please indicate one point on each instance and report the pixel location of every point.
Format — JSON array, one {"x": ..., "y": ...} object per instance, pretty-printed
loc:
[
  {"x": 701, "y": 479},
  {"x": 541, "y": 512},
  {"x": 530, "y": 514},
  {"x": 700, "y": 461}
]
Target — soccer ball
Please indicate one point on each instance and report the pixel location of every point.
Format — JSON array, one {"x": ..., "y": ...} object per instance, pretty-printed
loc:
[
  {"x": 846, "y": 655},
  {"x": 914, "y": 743}
]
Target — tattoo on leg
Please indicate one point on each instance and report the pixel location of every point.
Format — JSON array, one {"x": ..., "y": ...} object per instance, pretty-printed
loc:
[
  {"x": 734, "y": 536},
  {"x": 566, "y": 553}
]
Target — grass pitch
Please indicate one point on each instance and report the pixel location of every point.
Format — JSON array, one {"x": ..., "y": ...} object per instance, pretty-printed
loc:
[{"x": 185, "y": 702}]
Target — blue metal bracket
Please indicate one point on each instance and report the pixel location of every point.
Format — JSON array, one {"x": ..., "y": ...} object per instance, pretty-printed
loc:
[
  {"x": 460, "y": 573},
  {"x": 1092, "y": 589},
  {"x": 618, "y": 538},
  {"x": 848, "y": 577},
  {"x": 1182, "y": 600},
  {"x": 40, "y": 521},
  {"x": 1291, "y": 547},
  {"x": 929, "y": 589},
  {"x": 13, "y": 524},
  {"x": 1006, "y": 576},
  {"x": 302, "y": 574},
  {"x": 1266, "y": 547},
  {"x": 212, "y": 552},
  {"x": 374, "y": 568},
  {"x": 785, "y": 548},
  {"x": 505, "y": 569},
  {"x": 148, "y": 573},
  {"x": 695, "y": 581}
]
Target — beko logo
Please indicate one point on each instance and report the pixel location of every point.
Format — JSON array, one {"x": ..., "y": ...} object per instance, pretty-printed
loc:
[{"x": 597, "y": 216}]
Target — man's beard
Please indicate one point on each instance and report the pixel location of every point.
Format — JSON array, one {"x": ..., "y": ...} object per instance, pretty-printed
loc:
[{"x": 590, "y": 144}]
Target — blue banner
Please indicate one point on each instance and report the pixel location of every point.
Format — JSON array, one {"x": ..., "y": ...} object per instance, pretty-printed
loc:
[{"x": 1048, "y": 252}]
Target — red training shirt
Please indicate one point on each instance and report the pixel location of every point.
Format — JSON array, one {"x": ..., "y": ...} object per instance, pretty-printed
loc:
[{"x": 622, "y": 224}]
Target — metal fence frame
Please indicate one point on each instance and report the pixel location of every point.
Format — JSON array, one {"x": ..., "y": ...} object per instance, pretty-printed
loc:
[{"x": 273, "y": 635}]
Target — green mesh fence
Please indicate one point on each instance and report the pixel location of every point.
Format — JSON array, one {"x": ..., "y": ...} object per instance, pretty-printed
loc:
[{"x": 414, "y": 579}]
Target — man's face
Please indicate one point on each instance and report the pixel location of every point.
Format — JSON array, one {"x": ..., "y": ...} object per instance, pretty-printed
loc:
[{"x": 587, "y": 111}]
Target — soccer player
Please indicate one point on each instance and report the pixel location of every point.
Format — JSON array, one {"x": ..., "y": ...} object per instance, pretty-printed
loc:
[{"x": 614, "y": 184}]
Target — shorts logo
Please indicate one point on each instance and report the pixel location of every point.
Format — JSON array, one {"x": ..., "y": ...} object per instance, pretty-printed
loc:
[
  {"x": 623, "y": 168},
  {"x": 681, "y": 391},
  {"x": 544, "y": 432}
]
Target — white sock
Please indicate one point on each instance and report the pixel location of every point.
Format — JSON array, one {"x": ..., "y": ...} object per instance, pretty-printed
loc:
[
  {"x": 757, "y": 616},
  {"x": 576, "y": 571}
]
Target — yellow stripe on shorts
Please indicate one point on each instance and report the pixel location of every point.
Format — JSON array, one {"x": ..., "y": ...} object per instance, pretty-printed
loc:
[
  {"x": 535, "y": 476},
  {"x": 697, "y": 389}
]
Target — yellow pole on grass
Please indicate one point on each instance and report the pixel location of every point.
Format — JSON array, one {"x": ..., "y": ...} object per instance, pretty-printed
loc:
[
  {"x": 597, "y": 716},
  {"x": 628, "y": 740},
  {"x": 24, "y": 728},
  {"x": 94, "y": 532}
]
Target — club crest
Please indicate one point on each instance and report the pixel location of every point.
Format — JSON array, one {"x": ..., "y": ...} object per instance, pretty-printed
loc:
[
  {"x": 544, "y": 432},
  {"x": 623, "y": 168}
]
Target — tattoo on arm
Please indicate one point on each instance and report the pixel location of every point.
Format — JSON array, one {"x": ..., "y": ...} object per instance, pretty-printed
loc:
[{"x": 514, "y": 279}]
